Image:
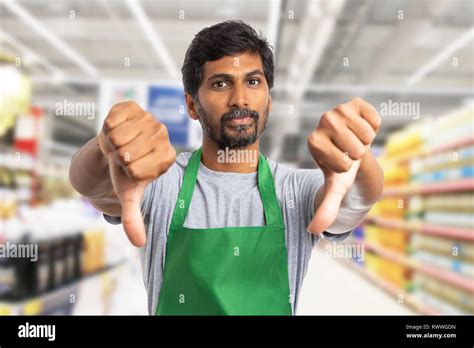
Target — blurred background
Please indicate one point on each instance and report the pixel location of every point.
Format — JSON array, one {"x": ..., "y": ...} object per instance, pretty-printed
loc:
[{"x": 63, "y": 64}]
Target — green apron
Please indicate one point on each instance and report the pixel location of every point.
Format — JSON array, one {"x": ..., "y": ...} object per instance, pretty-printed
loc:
[{"x": 229, "y": 270}]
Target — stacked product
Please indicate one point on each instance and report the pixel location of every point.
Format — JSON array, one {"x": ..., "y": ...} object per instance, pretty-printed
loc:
[
  {"x": 420, "y": 235},
  {"x": 38, "y": 256}
]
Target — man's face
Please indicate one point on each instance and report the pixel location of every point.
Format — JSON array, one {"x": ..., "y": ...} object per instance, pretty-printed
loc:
[{"x": 233, "y": 100}]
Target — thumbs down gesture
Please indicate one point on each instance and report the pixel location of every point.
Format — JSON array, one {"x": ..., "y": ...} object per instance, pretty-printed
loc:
[
  {"x": 138, "y": 150},
  {"x": 340, "y": 145}
]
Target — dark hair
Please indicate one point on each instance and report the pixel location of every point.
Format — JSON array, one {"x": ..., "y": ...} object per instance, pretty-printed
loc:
[{"x": 224, "y": 39}]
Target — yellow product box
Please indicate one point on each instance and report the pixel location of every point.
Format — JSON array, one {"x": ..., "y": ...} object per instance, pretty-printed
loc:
[
  {"x": 372, "y": 262},
  {"x": 395, "y": 240},
  {"x": 393, "y": 272},
  {"x": 94, "y": 250},
  {"x": 371, "y": 233}
]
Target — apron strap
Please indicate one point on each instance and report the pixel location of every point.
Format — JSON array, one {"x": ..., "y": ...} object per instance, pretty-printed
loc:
[
  {"x": 271, "y": 206},
  {"x": 266, "y": 185}
]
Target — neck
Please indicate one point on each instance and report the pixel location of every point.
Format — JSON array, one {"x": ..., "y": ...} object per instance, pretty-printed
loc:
[{"x": 238, "y": 160}]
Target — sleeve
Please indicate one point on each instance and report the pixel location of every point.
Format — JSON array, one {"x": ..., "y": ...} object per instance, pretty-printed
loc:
[{"x": 352, "y": 212}]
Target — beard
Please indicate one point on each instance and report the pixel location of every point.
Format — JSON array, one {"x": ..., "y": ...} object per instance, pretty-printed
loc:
[{"x": 242, "y": 135}]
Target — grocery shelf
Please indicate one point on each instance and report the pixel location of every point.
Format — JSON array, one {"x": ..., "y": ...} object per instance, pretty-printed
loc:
[
  {"x": 47, "y": 303},
  {"x": 439, "y": 149},
  {"x": 439, "y": 187},
  {"x": 409, "y": 299},
  {"x": 436, "y": 272},
  {"x": 7, "y": 160},
  {"x": 419, "y": 227}
]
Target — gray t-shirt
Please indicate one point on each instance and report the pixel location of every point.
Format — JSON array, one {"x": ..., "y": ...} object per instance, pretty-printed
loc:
[{"x": 223, "y": 199}]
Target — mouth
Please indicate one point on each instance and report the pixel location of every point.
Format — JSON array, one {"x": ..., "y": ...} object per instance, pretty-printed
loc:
[{"x": 240, "y": 121}]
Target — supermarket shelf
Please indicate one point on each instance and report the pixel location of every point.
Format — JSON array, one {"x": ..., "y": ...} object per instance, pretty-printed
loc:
[
  {"x": 435, "y": 272},
  {"x": 439, "y": 187},
  {"x": 409, "y": 299},
  {"x": 419, "y": 227},
  {"x": 29, "y": 163},
  {"x": 46, "y": 303},
  {"x": 439, "y": 149},
  {"x": 24, "y": 162}
]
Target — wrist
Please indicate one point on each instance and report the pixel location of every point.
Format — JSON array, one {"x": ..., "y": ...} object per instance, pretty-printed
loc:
[
  {"x": 366, "y": 165},
  {"x": 370, "y": 178}
]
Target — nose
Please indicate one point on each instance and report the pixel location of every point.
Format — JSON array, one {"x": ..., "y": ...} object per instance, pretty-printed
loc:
[{"x": 238, "y": 99}]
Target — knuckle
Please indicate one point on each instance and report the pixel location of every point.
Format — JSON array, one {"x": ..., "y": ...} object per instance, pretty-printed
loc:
[
  {"x": 343, "y": 166},
  {"x": 169, "y": 155},
  {"x": 342, "y": 108},
  {"x": 134, "y": 172},
  {"x": 370, "y": 137},
  {"x": 148, "y": 115},
  {"x": 162, "y": 128},
  {"x": 358, "y": 152},
  {"x": 313, "y": 139},
  {"x": 114, "y": 138},
  {"x": 167, "y": 160},
  {"x": 116, "y": 107},
  {"x": 162, "y": 131},
  {"x": 172, "y": 155},
  {"x": 325, "y": 116},
  {"x": 124, "y": 155},
  {"x": 108, "y": 123},
  {"x": 377, "y": 122},
  {"x": 132, "y": 104},
  {"x": 328, "y": 119},
  {"x": 338, "y": 169},
  {"x": 366, "y": 135}
]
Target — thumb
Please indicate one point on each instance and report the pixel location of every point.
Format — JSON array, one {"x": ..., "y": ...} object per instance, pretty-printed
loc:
[
  {"x": 335, "y": 188},
  {"x": 129, "y": 193}
]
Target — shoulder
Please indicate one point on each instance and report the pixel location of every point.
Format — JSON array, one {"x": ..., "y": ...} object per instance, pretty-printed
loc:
[
  {"x": 182, "y": 160},
  {"x": 174, "y": 174},
  {"x": 300, "y": 181},
  {"x": 283, "y": 172}
]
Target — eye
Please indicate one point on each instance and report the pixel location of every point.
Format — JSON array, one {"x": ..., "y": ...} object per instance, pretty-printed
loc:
[
  {"x": 219, "y": 84},
  {"x": 254, "y": 82}
]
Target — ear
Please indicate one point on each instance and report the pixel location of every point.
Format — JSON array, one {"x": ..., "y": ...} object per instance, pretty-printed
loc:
[
  {"x": 269, "y": 103},
  {"x": 191, "y": 106}
]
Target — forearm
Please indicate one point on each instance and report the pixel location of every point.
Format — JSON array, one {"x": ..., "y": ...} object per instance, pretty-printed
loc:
[
  {"x": 369, "y": 179},
  {"x": 89, "y": 174}
]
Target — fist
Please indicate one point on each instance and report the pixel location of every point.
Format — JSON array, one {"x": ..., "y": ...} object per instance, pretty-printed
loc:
[
  {"x": 344, "y": 135},
  {"x": 138, "y": 151},
  {"x": 338, "y": 144}
]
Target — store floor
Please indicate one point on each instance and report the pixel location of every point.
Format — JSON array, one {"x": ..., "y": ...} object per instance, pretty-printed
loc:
[{"x": 330, "y": 288}]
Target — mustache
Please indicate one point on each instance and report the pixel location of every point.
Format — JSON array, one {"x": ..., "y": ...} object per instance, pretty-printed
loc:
[{"x": 239, "y": 113}]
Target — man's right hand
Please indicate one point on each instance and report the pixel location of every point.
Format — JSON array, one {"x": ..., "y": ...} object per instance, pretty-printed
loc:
[{"x": 137, "y": 148}]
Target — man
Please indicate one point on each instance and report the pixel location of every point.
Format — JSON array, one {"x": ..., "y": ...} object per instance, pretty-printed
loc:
[{"x": 220, "y": 235}]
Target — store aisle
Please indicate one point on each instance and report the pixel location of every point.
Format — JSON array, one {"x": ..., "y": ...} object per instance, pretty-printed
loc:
[
  {"x": 131, "y": 297},
  {"x": 330, "y": 288}
]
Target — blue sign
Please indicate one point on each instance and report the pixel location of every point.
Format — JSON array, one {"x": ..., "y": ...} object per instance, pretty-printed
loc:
[{"x": 168, "y": 105}]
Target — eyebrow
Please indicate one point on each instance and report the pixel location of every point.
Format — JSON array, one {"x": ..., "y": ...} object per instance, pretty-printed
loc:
[{"x": 230, "y": 76}]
